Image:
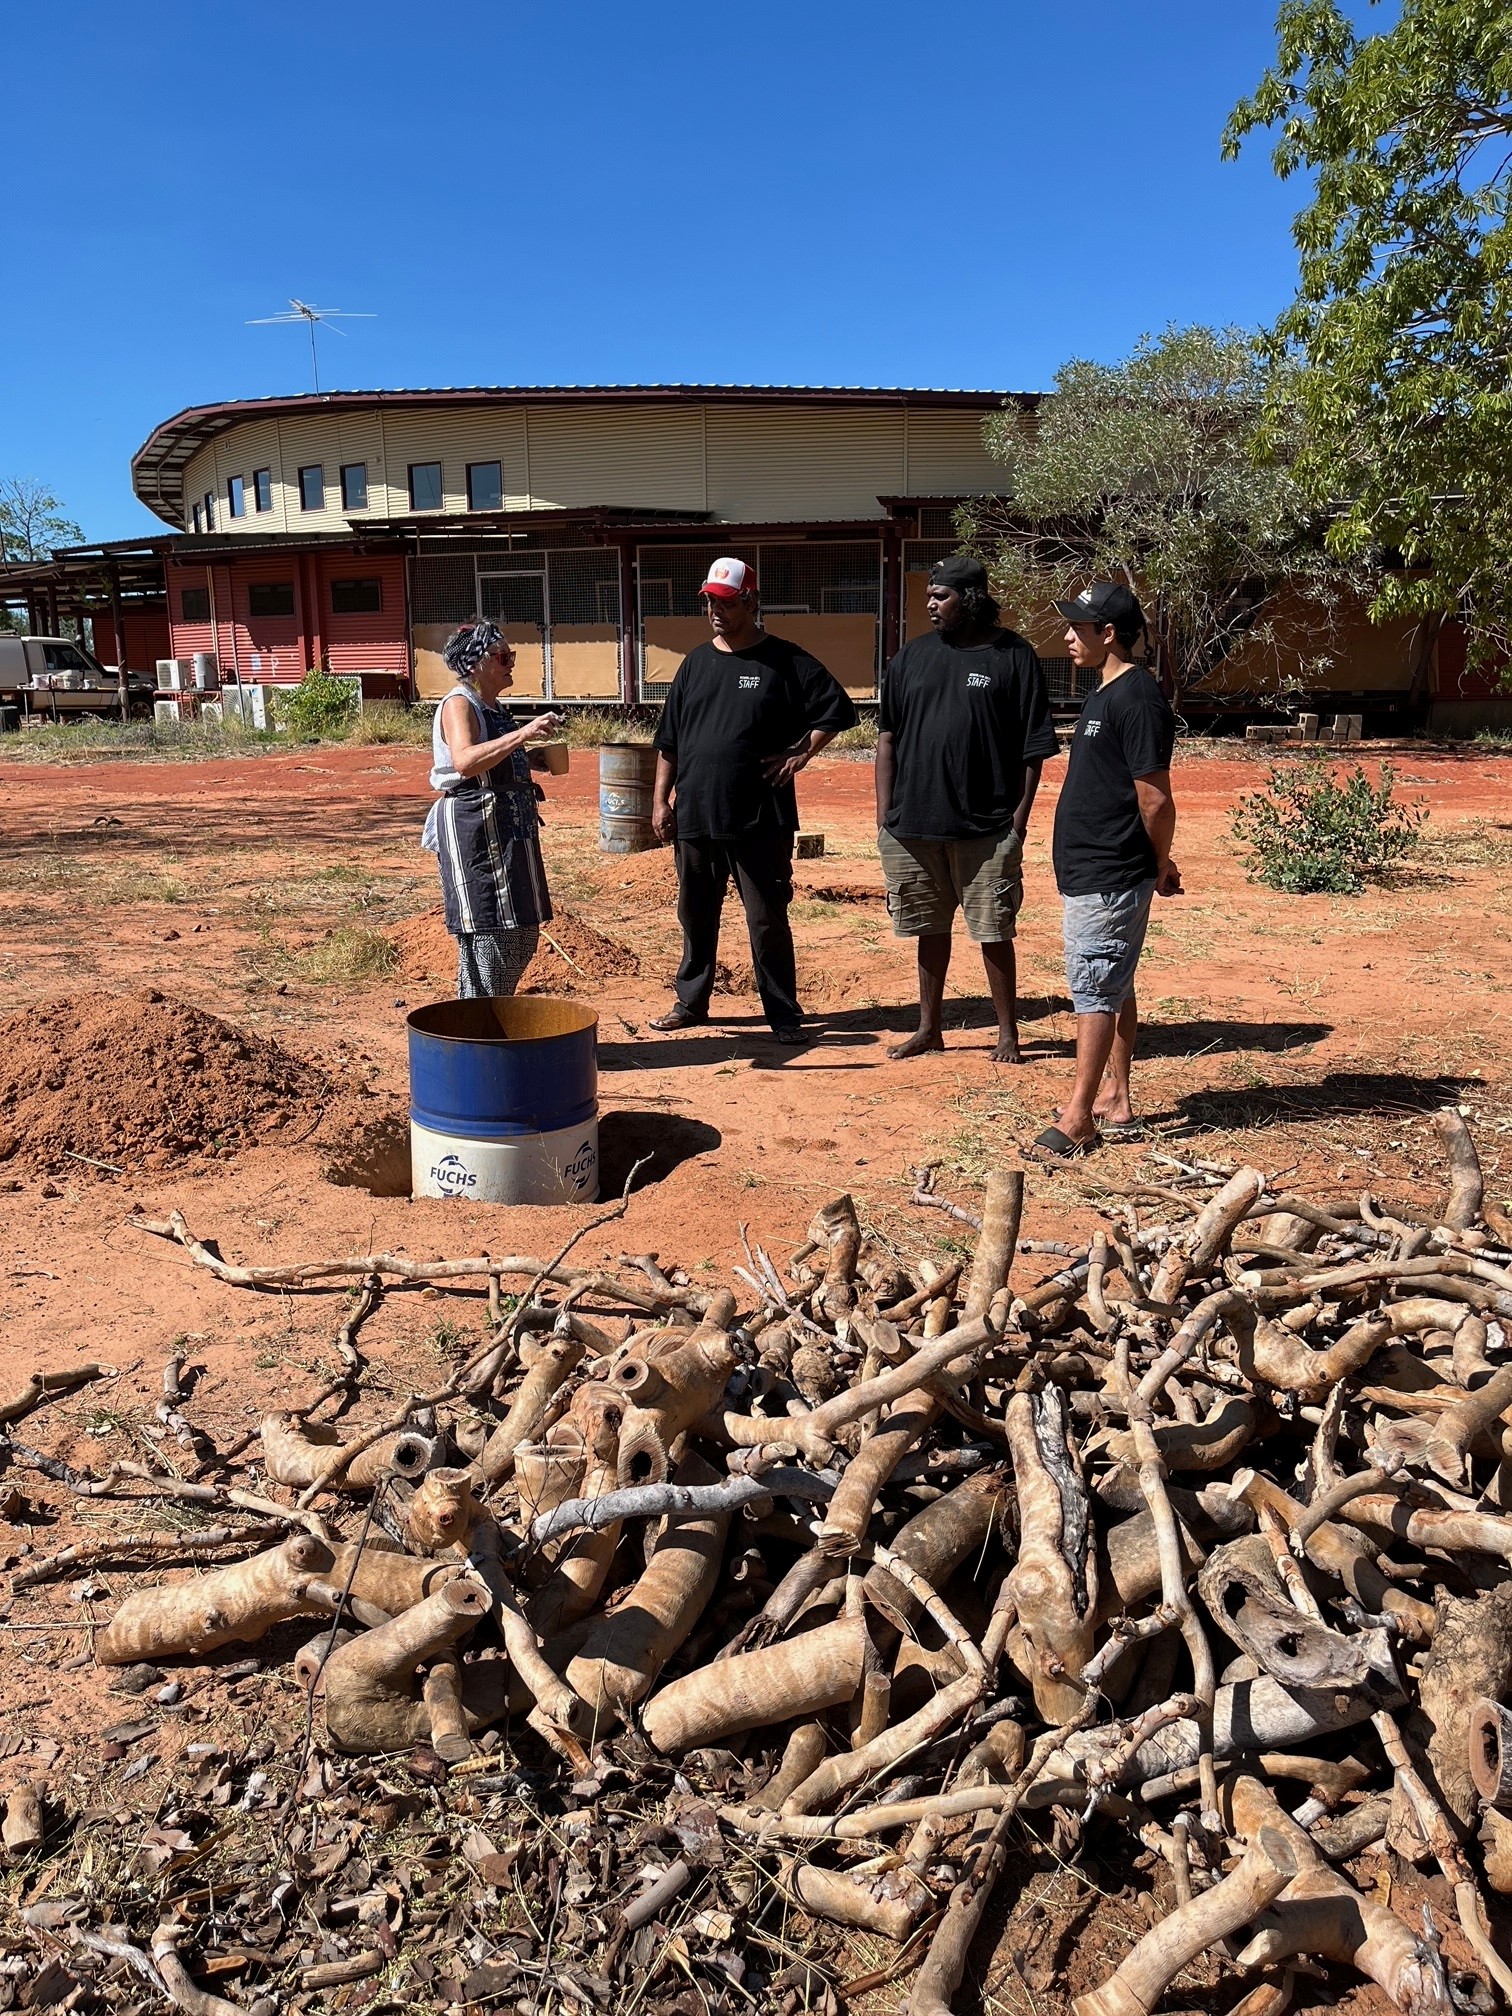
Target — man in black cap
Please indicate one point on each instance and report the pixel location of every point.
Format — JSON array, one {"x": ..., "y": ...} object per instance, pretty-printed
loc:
[
  {"x": 964, "y": 727},
  {"x": 1112, "y": 847}
]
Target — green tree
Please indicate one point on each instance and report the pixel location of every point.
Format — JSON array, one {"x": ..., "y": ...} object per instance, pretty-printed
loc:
[
  {"x": 1401, "y": 331},
  {"x": 32, "y": 522},
  {"x": 1145, "y": 471}
]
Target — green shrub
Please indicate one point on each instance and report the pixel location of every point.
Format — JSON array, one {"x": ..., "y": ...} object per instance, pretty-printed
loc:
[
  {"x": 1313, "y": 829},
  {"x": 320, "y": 709}
]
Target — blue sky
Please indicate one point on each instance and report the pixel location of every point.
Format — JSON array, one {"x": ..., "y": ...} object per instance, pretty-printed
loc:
[{"x": 793, "y": 193}]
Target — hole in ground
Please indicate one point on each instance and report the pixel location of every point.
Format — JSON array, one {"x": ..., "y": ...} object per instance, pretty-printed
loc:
[
  {"x": 667, "y": 1138},
  {"x": 376, "y": 1159}
]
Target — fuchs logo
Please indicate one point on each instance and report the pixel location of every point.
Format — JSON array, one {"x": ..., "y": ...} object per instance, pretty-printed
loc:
[
  {"x": 582, "y": 1165},
  {"x": 749, "y": 681},
  {"x": 978, "y": 679},
  {"x": 452, "y": 1177}
]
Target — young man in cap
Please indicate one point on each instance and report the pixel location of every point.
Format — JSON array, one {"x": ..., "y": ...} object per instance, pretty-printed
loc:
[
  {"x": 964, "y": 727},
  {"x": 1112, "y": 847},
  {"x": 745, "y": 713}
]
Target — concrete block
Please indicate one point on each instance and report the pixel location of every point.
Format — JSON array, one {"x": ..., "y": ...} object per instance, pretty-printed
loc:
[
  {"x": 808, "y": 846},
  {"x": 1265, "y": 731},
  {"x": 1307, "y": 727}
]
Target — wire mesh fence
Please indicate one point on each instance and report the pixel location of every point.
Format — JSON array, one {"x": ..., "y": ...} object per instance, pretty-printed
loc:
[
  {"x": 825, "y": 596},
  {"x": 559, "y": 607}
]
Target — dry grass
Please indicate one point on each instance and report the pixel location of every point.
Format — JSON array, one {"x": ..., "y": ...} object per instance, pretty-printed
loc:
[
  {"x": 388, "y": 721},
  {"x": 349, "y": 954}
]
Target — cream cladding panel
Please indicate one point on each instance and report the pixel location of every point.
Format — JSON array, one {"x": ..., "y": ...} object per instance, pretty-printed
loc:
[
  {"x": 776, "y": 462},
  {"x": 946, "y": 455},
  {"x": 239, "y": 452},
  {"x": 455, "y": 436},
  {"x": 650, "y": 456}
]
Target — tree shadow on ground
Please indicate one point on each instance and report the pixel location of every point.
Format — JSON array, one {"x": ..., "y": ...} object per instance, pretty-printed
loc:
[
  {"x": 668, "y": 1139},
  {"x": 1384, "y": 1093}
]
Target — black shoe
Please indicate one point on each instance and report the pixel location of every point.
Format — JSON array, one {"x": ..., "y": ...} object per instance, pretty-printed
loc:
[
  {"x": 791, "y": 1036},
  {"x": 678, "y": 1017}
]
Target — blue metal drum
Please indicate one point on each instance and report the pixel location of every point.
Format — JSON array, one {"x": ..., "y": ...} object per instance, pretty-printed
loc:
[{"x": 504, "y": 1101}]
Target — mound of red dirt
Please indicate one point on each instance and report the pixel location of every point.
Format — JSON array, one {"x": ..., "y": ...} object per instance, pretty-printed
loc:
[
  {"x": 652, "y": 876},
  {"x": 142, "y": 1080},
  {"x": 573, "y": 956}
]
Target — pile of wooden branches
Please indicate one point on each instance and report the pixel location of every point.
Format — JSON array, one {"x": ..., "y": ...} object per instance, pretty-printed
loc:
[{"x": 803, "y": 1601}]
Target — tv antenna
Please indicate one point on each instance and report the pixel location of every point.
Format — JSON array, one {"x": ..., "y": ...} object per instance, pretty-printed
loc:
[{"x": 305, "y": 311}]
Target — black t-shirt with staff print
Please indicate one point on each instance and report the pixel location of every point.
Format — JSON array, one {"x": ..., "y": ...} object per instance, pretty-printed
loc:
[
  {"x": 728, "y": 710},
  {"x": 1125, "y": 730}
]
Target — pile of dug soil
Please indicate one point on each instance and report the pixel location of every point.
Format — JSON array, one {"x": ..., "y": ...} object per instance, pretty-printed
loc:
[
  {"x": 573, "y": 956},
  {"x": 649, "y": 877},
  {"x": 141, "y": 1080}
]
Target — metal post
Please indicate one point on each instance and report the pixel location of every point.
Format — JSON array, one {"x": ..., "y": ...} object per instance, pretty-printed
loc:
[
  {"x": 629, "y": 625},
  {"x": 892, "y": 593},
  {"x": 118, "y": 624}
]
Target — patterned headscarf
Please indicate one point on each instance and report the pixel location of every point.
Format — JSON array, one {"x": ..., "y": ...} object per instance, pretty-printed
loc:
[{"x": 465, "y": 649}]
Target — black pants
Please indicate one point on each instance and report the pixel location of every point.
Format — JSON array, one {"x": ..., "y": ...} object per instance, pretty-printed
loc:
[{"x": 762, "y": 865}]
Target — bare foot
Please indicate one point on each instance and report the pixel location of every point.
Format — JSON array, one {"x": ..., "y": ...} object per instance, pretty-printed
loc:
[
  {"x": 1114, "y": 1116},
  {"x": 917, "y": 1044},
  {"x": 1007, "y": 1051}
]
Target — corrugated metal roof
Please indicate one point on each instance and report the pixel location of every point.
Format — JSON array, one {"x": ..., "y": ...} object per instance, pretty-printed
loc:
[{"x": 157, "y": 467}]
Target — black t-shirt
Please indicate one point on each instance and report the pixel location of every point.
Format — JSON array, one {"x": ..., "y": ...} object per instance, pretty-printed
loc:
[
  {"x": 725, "y": 712},
  {"x": 964, "y": 722},
  {"x": 1125, "y": 730}
]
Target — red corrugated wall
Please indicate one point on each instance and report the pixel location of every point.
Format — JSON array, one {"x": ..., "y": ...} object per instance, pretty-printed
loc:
[
  {"x": 375, "y": 642},
  {"x": 279, "y": 650}
]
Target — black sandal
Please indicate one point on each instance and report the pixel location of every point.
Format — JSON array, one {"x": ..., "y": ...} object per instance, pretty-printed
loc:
[
  {"x": 677, "y": 1017},
  {"x": 1054, "y": 1146}
]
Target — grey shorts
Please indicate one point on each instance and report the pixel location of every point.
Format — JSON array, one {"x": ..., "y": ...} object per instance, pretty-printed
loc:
[
  {"x": 929, "y": 880},
  {"x": 1104, "y": 938}
]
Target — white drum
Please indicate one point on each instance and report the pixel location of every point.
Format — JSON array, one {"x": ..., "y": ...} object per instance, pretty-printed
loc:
[{"x": 559, "y": 1168}]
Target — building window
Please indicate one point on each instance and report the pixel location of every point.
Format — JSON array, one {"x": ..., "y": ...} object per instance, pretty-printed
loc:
[
  {"x": 312, "y": 488},
  {"x": 236, "y": 497},
  {"x": 425, "y": 486},
  {"x": 262, "y": 488},
  {"x": 194, "y": 519},
  {"x": 194, "y": 603},
  {"x": 354, "y": 486},
  {"x": 209, "y": 503},
  {"x": 485, "y": 486},
  {"x": 360, "y": 597},
  {"x": 270, "y": 598}
]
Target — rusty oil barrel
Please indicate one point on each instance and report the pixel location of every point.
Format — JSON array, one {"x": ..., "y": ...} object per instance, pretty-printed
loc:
[{"x": 627, "y": 771}]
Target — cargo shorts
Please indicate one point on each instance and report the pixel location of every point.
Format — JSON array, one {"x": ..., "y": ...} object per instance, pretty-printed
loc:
[
  {"x": 1104, "y": 937},
  {"x": 929, "y": 880}
]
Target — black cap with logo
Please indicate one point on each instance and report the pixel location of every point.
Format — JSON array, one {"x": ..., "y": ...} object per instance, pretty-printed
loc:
[
  {"x": 958, "y": 572},
  {"x": 1103, "y": 602}
]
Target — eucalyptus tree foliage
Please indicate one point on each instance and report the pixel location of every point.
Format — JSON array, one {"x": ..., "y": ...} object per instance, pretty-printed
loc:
[
  {"x": 1146, "y": 471},
  {"x": 1401, "y": 331},
  {"x": 32, "y": 521}
]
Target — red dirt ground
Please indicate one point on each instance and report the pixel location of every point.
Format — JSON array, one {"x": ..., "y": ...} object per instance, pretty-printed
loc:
[{"x": 1310, "y": 1035}]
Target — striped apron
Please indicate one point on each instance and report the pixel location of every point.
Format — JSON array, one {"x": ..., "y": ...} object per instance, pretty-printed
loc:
[{"x": 485, "y": 834}]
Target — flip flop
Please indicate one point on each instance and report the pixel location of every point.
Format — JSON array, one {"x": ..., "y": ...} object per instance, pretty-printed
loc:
[
  {"x": 1122, "y": 1130},
  {"x": 1054, "y": 1146}
]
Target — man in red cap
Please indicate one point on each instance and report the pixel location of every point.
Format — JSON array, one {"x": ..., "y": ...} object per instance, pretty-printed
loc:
[{"x": 745, "y": 713}]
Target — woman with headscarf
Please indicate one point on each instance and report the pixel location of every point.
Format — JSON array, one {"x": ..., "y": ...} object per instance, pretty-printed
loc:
[{"x": 484, "y": 829}]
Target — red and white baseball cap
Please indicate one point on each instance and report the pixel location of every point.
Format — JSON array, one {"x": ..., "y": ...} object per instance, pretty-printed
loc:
[{"x": 729, "y": 578}]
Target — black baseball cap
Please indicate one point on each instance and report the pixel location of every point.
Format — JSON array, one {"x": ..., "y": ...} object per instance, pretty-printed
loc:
[
  {"x": 959, "y": 572},
  {"x": 1103, "y": 602}
]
